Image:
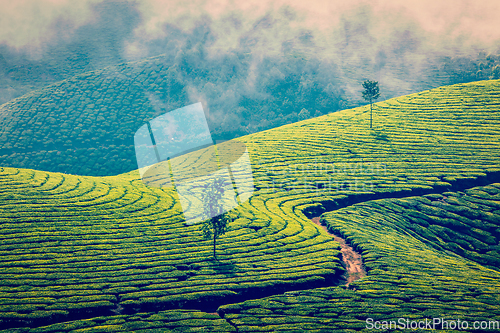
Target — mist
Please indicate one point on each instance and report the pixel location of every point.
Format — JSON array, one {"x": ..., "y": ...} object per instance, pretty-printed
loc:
[{"x": 401, "y": 45}]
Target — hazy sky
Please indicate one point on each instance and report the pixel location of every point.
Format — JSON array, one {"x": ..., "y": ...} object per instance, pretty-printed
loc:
[
  {"x": 401, "y": 43},
  {"x": 33, "y": 23}
]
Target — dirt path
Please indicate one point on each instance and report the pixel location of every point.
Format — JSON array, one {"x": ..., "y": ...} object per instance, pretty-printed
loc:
[{"x": 352, "y": 260}]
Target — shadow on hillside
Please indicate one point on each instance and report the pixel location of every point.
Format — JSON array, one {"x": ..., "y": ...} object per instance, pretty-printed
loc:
[{"x": 226, "y": 268}]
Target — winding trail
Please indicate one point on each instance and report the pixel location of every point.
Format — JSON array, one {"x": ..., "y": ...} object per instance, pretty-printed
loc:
[{"x": 352, "y": 259}]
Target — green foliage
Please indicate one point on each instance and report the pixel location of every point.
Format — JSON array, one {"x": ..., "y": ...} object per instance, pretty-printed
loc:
[
  {"x": 78, "y": 245},
  {"x": 162, "y": 321},
  {"x": 212, "y": 197},
  {"x": 371, "y": 91},
  {"x": 461, "y": 69},
  {"x": 304, "y": 114}
]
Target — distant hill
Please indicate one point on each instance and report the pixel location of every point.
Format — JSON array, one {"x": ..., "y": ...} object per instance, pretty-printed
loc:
[{"x": 85, "y": 124}]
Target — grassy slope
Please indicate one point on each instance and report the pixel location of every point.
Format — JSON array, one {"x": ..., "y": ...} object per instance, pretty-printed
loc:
[
  {"x": 93, "y": 226},
  {"x": 420, "y": 142}
]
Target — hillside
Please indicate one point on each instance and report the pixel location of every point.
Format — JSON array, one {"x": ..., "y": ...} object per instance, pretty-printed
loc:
[
  {"x": 96, "y": 114},
  {"x": 92, "y": 115},
  {"x": 410, "y": 249},
  {"x": 107, "y": 253}
]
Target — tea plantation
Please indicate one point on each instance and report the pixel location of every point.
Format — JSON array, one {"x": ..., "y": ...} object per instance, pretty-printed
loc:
[
  {"x": 409, "y": 247},
  {"x": 100, "y": 254},
  {"x": 79, "y": 246},
  {"x": 85, "y": 125}
]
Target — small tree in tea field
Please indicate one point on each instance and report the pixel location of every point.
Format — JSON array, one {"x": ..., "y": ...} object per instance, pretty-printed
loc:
[
  {"x": 370, "y": 94},
  {"x": 215, "y": 226}
]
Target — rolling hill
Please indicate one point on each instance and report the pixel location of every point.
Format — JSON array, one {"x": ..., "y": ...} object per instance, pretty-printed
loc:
[
  {"x": 85, "y": 124},
  {"x": 102, "y": 254}
]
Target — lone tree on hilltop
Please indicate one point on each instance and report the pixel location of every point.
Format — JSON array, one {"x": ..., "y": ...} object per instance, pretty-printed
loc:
[
  {"x": 215, "y": 226},
  {"x": 370, "y": 94}
]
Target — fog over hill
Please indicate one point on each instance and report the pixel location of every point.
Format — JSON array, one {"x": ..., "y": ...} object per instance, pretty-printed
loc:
[{"x": 403, "y": 46}]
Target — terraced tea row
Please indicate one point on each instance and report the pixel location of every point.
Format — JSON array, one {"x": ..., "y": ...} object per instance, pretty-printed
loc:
[
  {"x": 411, "y": 274},
  {"x": 73, "y": 247},
  {"x": 163, "y": 321},
  {"x": 467, "y": 224},
  {"x": 420, "y": 142}
]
